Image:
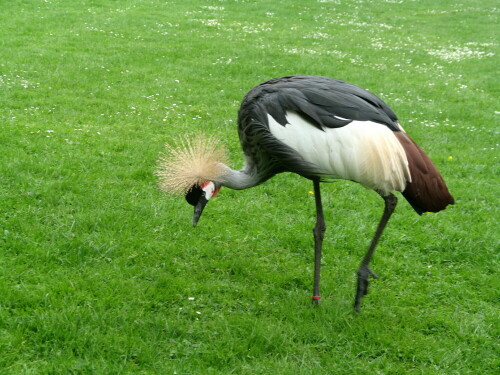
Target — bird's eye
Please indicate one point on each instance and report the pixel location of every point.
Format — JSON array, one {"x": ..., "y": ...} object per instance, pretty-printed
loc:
[{"x": 193, "y": 195}]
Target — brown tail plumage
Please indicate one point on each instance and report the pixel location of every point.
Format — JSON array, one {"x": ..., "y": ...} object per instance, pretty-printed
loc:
[{"x": 427, "y": 192}]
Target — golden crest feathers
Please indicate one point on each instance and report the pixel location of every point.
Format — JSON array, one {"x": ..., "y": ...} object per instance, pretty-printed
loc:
[{"x": 190, "y": 162}]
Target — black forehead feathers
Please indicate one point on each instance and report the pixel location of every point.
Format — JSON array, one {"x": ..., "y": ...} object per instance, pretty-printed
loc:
[{"x": 193, "y": 195}]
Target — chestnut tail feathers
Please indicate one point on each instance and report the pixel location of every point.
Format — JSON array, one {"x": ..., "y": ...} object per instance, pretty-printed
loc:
[{"x": 427, "y": 192}]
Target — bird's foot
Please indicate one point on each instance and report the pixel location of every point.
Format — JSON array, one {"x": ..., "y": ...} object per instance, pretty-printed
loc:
[{"x": 362, "y": 289}]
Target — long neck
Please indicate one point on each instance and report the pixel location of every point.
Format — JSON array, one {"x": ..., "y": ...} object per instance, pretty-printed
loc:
[{"x": 245, "y": 178}]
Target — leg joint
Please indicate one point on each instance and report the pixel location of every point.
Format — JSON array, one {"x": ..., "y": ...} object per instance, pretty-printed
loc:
[
  {"x": 391, "y": 201},
  {"x": 319, "y": 230}
]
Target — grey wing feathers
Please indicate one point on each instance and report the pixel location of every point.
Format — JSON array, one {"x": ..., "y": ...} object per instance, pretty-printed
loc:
[{"x": 325, "y": 102}]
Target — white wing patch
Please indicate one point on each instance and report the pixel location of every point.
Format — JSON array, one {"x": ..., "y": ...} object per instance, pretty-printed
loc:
[{"x": 362, "y": 151}]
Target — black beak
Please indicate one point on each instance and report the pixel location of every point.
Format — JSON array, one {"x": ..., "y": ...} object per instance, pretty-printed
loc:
[{"x": 198, "y": 209}]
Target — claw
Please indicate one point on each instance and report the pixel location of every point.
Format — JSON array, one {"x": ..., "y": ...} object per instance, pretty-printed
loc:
[
  {"x": 372, "y": 274},
  {"x": 362, "y": 288}
]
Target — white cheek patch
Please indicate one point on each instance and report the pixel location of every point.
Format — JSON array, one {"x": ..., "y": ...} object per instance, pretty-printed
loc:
[{"x": 209, "y": 189}]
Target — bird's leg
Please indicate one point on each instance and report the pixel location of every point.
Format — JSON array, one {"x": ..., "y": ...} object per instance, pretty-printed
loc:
[
  {"x": 364, "y": 272},
  {"x": 319, "y": 234}
]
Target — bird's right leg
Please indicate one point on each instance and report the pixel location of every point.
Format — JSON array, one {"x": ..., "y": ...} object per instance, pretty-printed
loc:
[
  {"x": 364, "y": 272},
  {"x": 319, "y": 234}
]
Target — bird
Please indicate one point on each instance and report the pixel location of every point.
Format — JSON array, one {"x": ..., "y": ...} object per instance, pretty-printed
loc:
[{"x": 323, "y": 129}]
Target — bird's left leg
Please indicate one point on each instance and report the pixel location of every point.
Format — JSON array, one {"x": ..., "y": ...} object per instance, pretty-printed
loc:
[
  {"x": 364, "y": 272},
  {"x": 319, "y": 234}
]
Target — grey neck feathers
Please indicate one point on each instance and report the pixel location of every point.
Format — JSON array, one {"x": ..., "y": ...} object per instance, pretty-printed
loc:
[{"x": 242, "y": 179}]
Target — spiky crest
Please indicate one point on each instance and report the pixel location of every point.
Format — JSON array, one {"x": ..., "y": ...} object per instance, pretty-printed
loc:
[{"x": 190, "y": 162}]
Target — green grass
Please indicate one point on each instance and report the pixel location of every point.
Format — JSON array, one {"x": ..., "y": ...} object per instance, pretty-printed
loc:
[{"x": 100, "y": 273}]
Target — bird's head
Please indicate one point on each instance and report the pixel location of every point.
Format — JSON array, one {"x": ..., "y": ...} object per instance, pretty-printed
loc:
[
  {"x": 194, "y": 167},
  {"x": 199, "y": 195}
]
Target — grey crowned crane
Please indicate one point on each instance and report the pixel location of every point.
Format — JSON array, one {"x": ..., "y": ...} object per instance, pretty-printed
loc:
[{"x": 322, "y": 129}]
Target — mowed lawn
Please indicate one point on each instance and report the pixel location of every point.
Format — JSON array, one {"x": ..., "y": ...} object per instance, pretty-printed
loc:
[{"x": 101, "y": 273}]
